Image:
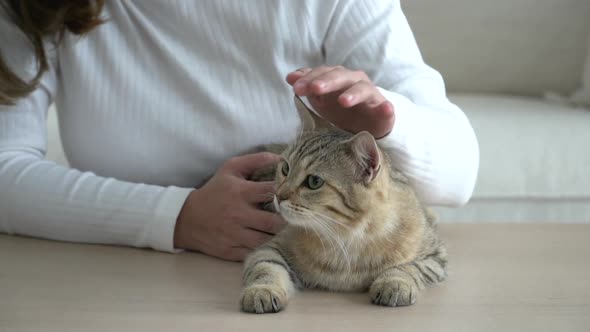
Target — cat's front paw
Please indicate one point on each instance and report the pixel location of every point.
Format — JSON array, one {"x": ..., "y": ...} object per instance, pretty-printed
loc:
[
  {"x": 393, "y": 293},
  {"x": 263, "y": 299}
]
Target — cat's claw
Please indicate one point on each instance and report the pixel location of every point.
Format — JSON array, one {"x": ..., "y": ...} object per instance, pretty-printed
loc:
[
  {"x": 393, "y": 293},
  {"x": 262, "y": 299}
]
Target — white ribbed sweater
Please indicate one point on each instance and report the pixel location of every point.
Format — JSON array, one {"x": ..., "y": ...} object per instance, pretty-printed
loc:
[{"x": 152, "y": 102}]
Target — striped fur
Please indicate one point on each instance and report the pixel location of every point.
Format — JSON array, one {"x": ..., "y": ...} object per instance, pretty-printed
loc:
[{"x": 364, "y": 229}]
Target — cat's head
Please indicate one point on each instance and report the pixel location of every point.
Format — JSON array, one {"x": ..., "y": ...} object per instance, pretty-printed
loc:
[{"x": 328, "y": 176}]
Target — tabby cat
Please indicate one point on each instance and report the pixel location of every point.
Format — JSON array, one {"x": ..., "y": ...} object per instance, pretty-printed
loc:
[{"x": 353, "y": 223}]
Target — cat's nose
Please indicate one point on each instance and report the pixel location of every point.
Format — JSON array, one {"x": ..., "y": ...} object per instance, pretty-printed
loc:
[{"x": 283, "y": 196}]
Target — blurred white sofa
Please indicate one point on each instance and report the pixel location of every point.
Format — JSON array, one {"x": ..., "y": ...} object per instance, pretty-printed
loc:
[{"x": 499, "y": 58}]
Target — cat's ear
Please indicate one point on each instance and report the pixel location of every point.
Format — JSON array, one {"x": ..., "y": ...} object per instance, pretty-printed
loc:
[
  {"x": 366, "y": 157},
  {"x": 309, "y": 119}
]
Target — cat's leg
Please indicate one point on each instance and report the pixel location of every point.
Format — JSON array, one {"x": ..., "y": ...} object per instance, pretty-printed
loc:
[
  {"x": 400, "y": 285},
  {"x": 268, "y": 279}
]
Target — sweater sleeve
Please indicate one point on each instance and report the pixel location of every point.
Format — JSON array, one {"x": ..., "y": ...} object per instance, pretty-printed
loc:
[
  {"x": 42, "y": 199},
  {"x": 432, "y": 141}
]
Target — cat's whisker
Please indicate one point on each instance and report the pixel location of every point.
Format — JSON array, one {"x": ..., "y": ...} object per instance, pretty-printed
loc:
[
  {"x": 332, "y": 234},
  {"x": 340, "y": 223},
  {"x": 326, "y": 233},
  {"x": 319, "y": 237},
  {"x": 331, "y": 240},
  {"x": 315, "y": 221},
  {"x": 276, "y": 205},
  {"x": 270, "y": 198},
  {"x": 306, "y": 229}
]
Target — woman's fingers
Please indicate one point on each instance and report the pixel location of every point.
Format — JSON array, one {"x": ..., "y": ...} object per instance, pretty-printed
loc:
[
  {"x": 362, "y": 92},
  {"x": 301, "y": 87},
  {"x": 292, "y": 77},
  {"x": 258, "y": 192},
  {"x": 244, "y": 166},
  {"x": 252, "y": 239},
  {"x": 333, "y": 91},
  {"x": 335, "y": 80},
  {"x": 264, "y": 221}
]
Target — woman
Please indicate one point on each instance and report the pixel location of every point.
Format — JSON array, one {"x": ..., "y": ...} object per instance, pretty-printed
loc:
[{"x": 162, "y": 95}]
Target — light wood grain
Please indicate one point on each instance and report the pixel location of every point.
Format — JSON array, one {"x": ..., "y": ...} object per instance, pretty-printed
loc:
[{"x": 502, "y": 278}]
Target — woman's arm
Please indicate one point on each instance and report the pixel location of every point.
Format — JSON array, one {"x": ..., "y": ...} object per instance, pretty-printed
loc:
[
  {"x": 431, "y": 141},
  {"x": 40, "y": 198}
]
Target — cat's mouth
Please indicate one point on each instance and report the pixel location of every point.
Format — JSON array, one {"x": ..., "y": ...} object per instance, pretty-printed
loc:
[
  {"x": 300, "y": 216},
  {"x": 293, "y": 215}
]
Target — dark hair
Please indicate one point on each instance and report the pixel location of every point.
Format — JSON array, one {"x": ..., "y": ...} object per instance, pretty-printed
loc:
[{"x": 38, "y": 19}]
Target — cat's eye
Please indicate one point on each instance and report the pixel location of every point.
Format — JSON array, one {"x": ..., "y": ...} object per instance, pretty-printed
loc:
[
  {"x": 285, "y": 169},
  {"x": 314, "y": 182}
]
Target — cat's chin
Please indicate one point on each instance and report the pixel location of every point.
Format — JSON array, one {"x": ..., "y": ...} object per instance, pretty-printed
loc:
[{"x": 292, "y": 219}]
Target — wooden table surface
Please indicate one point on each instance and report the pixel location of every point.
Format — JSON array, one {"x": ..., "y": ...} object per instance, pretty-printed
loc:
[{"x": 502, "y": 278}]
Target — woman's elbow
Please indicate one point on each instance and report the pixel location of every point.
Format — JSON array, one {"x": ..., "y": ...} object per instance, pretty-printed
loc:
[
  {"x": 454, "y": 176},
  {"x": 463, "y": 178}
]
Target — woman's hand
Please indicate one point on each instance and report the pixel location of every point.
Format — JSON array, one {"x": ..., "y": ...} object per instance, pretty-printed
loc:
[
  {"x": 346, "y": 98},
  {"x": 221, "y": 219}
]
